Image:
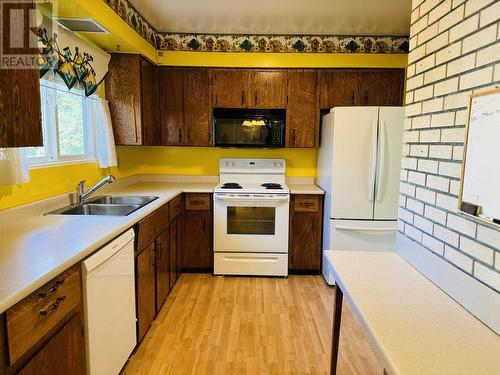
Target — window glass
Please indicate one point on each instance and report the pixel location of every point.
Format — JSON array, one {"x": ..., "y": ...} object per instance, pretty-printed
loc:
[{"x": 70, "y": 124}]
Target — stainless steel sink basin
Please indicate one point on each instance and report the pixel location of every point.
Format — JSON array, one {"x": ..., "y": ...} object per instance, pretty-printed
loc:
[
  {"x": 107, "y": 205},
  {"x": 127, "y": 200},
  {"x": 100, "y": 209}
]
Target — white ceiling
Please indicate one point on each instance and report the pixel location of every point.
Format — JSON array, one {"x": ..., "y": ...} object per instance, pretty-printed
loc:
[{"x": 309, "y": 17}]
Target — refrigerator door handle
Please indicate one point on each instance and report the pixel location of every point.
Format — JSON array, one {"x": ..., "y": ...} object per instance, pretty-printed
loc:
[
  {"x": 364, "y": 229},
  {"x": 373, "y": 162},
  {"x": 381, "y": 163}
]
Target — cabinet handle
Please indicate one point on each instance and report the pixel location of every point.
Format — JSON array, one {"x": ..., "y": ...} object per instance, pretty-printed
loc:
[
  {"x": 255, "y": 98},
  {"x": 52, "y": 307},
  {"x": 306, "y": 204},
  {"x": 242, "y": 98},
  {"x": 366, "y": 97},
  {"x": 352, "y": 98},
  {"x": 180, "y": 135},
  {"x": 158, "y": 250},
  {"x": 52, "y": 290},
  {"x": 188, "y": 136},
  {"x": 294, "y": 136}
]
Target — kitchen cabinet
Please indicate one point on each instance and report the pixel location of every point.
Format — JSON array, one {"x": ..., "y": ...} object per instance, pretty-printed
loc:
[
  {"x": 63, "y": 354},
  {"x": 20, "y": 108},
  {"x": 132, "y": 91},
  {"x": 229, "y": 88},
  {"x": 145, "y": 289},
  {"x": 162, "y": 263},
  {"x": 185, "y": 107},
  {"x": 176, "y": 237},
  {"x": 361, "y": 87},
  {"x": 302, "y": 111},
  {"x": 198, "y": 227},
  {"x": 43, "y": 333},
  {"x": 305, "y": 233},
  {"x": 267, "y": 89}
]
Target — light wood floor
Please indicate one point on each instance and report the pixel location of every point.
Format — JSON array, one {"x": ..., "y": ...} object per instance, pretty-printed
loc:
[{"x": 238, "y": 325}]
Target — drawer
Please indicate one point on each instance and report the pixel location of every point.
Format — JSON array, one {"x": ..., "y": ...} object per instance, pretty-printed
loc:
[
  {"x": 198, "y": 202},
  {"x": 175, "y": 207},
  {"x": 306, "y": 204},
  {"x": 31, "y": 319},
  {"x": 152, "y": 225}
]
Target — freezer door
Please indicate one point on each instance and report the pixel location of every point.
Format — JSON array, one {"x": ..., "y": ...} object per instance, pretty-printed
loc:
[
  {"x": 361, "y": 235},
  {"x": 390, "y": 141},
  {"x": 354, "y": 162},
  {"x": 324, "y": 161}
]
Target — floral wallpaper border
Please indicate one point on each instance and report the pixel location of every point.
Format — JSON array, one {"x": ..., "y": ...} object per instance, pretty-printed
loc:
[
  {"x": 256, "y": 43},
  {"x": 282, "y": 43}
]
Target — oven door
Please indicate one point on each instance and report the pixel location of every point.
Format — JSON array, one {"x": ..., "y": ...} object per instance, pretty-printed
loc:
[{"x": 254, "y": 223}]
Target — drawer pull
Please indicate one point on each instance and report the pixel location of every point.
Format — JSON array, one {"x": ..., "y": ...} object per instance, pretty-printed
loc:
[
  {"x": 52, "y": 290},
  {"x": 307, "y": 204},
  {"x": 198, "y": 202},
  {"x": 52, "y": 307}
]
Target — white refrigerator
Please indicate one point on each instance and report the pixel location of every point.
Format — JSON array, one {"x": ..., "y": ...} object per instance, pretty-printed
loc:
[{"x": 358, "y": 166}]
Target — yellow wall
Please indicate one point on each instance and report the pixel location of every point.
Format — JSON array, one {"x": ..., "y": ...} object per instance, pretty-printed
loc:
[{"x": 204, "y": 161}]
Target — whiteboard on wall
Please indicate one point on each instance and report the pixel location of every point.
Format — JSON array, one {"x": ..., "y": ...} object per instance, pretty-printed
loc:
[{"x": 480, "y": 184}]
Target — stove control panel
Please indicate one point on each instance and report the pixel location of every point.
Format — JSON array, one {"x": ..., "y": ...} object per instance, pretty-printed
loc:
[{"x": 261, "y": 166}]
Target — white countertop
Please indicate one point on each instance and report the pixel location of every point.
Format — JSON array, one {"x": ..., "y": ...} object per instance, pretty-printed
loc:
[
  {"x": 415, "y": 326},
  {"x": 304, "y": 189},
  {"x": 35, "y": 248}
]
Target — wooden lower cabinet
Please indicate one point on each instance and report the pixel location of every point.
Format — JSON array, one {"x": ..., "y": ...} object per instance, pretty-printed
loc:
[
  {"x": 198, "y": 228},
  {"x": 145, "y": 289},
  {"x": 304, "y": 248},
  {"x": 63, "y": 354},
  {"x": 162, "y": 268}
]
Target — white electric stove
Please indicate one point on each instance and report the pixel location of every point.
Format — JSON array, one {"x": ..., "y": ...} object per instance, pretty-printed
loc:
[{"x": 251, "y": 208}]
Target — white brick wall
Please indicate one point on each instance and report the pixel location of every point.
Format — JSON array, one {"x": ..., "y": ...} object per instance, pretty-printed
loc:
[{"x": 454, "y": 51}]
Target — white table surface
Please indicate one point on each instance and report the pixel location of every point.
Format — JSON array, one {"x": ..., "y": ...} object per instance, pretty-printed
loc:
[{"x": 415, "y": 327}]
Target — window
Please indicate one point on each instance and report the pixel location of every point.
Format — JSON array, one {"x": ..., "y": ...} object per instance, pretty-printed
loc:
[{"x": 67, "y": 130}]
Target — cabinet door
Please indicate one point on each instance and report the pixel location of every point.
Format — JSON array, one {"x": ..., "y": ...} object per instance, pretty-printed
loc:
[
  {"x": 339, "y": 87},
  {"x": 180, "y": 243},
  {"x": 302, "y": 115},
  {"x": 305, "y": 233},
  {"x": 267, "y": 89},
  {"x": 163, "y": 251},
  {"x": 150, "y": 104},
  {"x": 196, "y": 108},
  {"x": 229, "y": 88},
  {"x": 381, "y": 87},
  {"x": 171, "y": 107},
  {"x": 123, "y": 90},
  {"x": 173, "y": 253},
  {"x": 63, "y": 354},
  {"x": 145, "y": 263},
  {"x": 198, "y": 248},
  {"x": 20, "y": 108}
]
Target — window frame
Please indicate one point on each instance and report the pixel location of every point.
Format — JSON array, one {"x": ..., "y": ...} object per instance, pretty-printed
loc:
[{"x": 50, "y": 127}]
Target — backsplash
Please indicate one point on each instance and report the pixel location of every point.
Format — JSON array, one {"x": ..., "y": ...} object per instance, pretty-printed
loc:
[{"x": 454, "y": 51}]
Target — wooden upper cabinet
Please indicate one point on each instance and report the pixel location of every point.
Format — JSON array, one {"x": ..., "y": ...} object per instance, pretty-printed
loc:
[
  {"x": 229, "y": 88},
  {"x": 381, "y": 87},
  {"x": 267, "y": 89},
  {"x": 20, "y": 108},
  {"x": 197, "y": 107},
  {"x": 131, "y": 89},
  {"x": 150, "y": 104},
  {"x": 171, "y": 107},
  {"x": 338, "y": 88},
  {"x": 302, "y": 114},
  {"x": 361, "y": 87}
]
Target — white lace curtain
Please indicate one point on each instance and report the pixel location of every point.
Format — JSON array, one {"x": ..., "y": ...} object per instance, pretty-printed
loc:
[
  {"x": 104, "y": 139},
  {"x": 13, "y": 166}
]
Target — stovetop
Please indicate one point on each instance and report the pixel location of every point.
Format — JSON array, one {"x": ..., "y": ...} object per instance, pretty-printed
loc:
[{"x": 251, "y": 187}]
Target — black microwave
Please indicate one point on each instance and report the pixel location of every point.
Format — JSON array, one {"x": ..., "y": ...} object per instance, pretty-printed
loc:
[{"x": 249, "y": 127}]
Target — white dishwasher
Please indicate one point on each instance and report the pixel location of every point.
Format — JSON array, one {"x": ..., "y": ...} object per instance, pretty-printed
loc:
[{"x": 109, "y": 306}]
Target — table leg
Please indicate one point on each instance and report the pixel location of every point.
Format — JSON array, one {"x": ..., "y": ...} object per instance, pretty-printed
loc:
[{"x": 337, "y": 315}]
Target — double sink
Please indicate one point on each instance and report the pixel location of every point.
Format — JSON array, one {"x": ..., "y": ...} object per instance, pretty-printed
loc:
[{"x": 107, "y": 205}]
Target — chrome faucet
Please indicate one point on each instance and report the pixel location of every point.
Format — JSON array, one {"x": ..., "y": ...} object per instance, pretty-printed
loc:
[{"x": 82, "y": 195}]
